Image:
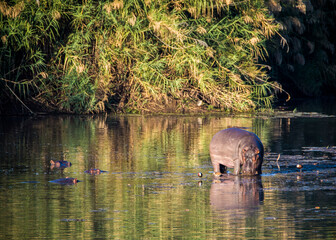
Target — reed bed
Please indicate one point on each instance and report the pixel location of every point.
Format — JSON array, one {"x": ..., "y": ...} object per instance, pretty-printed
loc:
[{"x": 137, "y": 55}]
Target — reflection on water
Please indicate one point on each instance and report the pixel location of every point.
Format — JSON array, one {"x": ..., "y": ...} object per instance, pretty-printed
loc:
[
  {"x": 150, "y": 187},
  {"x": 233, "y": 192},
  {"x": 235, "y": 204}
]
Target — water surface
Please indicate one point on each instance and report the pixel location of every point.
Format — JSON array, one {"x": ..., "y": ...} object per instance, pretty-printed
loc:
[{"x": 151, "y": 187}]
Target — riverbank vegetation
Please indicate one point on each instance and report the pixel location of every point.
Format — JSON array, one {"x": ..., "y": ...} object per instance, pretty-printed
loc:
[
  {"x": 307, "y": 67},
  {"x": 135, "y": 56},
  {"x": 144, "y": 56}
]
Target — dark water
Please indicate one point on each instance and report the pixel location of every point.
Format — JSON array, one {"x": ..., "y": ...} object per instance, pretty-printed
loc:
[{"x": 151, "y": 189}]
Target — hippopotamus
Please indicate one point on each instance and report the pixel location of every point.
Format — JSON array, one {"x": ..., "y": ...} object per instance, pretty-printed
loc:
[
  {"x": 65, "y": 181},
  {"x": 238, "y": 149},
  {"x": 94, "y": 171},
  {"x": 60, "y": 164}
]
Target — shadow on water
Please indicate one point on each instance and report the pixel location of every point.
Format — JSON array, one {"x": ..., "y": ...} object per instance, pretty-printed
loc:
[
  {"x": 316, "y": 106},
  {"x": 314, "y": 170}
]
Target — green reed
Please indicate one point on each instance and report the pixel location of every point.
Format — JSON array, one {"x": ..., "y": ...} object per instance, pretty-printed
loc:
[{"x": 137, "y": 55}]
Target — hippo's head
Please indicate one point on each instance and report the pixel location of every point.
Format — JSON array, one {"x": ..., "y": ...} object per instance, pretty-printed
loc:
[
  {"x": 94, "y": 171},
  {"x": 251, "y": 160}
]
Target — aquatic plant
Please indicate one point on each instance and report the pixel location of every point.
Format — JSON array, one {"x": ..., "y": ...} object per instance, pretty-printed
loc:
[{"x": 136, "y": 56}]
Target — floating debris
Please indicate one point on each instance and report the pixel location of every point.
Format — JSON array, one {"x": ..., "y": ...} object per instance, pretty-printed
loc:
[
  {"x": 299, "y": 166},
  {"x": 278, "y": 162}
]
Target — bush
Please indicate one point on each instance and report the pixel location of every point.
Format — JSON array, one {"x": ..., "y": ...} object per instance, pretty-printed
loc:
[{"x": 137, "y": 55}]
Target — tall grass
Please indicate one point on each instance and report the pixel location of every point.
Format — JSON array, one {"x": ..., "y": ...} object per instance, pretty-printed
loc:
[{"x": 136, "y": 55}]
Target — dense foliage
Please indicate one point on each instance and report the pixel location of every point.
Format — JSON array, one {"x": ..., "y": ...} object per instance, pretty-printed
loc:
[
  {"x": 135, "y": 56},
  {"x": 307, "y": 65}
]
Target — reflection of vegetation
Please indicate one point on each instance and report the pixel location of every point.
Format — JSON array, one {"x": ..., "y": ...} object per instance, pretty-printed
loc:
[
  {"x": 146, "y": 192},
  {"x": 128, "y": 143},
  {"x": 151, "y": 189},
  {"x": 90, "y": 56}
]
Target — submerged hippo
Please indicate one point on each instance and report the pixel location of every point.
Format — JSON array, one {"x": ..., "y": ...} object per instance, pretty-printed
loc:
[
  {"x": 60, "y": 164},
  {"x": 238, "y": 149},
  {"x": 94, "y": 171},
  {"x": 65, "y": 181}
]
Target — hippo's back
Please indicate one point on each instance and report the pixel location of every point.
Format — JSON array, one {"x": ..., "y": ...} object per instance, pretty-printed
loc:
[{"x": 225, "y": 144}]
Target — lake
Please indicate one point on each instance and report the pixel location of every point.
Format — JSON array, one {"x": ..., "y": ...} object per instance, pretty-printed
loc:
[{"x": 151, "y": 188}]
